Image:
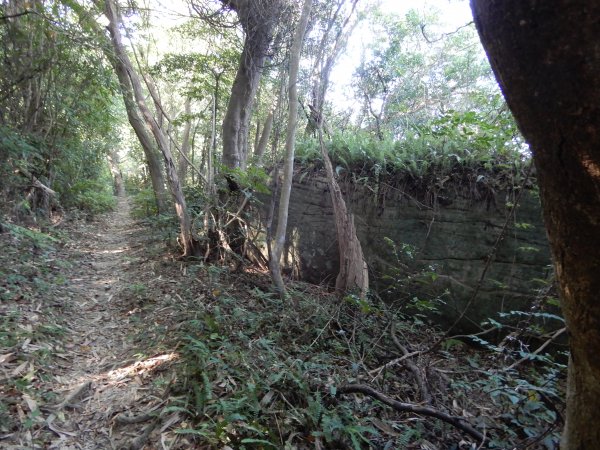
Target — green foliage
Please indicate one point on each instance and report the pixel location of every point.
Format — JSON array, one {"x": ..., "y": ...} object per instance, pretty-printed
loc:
[
  {"x": 253, "y": 179},
  {"x": 455, "y": 145},
  {"x": 30, "y": 272},
  {"x": 528, "y": 403},
  {"x": 92, "y": 197},
  {"x": 415, "y": 70},
  {"x": 58, "y": 106},
  {"x": 144, "y": 203},
  {"x": 404, "y": 278},
  {"x": 244, "y": 376}
]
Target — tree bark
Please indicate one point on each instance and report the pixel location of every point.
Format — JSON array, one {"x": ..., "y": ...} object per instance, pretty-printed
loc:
[
  {"x": 182, "y": 166},
  {"x": 115, "y": 170},
  {"x": 290, "y": 142},
  {"x": 187, "y": 240},
  {"x": 353, "y": 274},
  {"x": 144, "y": 137},
  {"x": 153, "y": 163},
  {"x": 258, "y": 19},
  {"x": 264, "y": 139},
  {"x": 546, "y": 57}
]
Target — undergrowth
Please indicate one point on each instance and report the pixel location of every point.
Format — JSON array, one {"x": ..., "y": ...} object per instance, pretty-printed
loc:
[
  {"x": 30, "y": 273},
  {"x": 260, "y": 374},
  {"x": 456, "y": 146}
]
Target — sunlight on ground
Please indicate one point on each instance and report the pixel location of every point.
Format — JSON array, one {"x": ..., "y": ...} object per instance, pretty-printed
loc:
[
  {"x": 139, "y": 367},
  {"x": 119, "y": 250}
]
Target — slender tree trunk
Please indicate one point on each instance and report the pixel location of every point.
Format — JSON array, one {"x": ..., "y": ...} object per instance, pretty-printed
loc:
[
  {"x": 264, "y": 139},
  {"x": 546, "y": 57},
  {"x": 353, "y": 274},
  {"x": 155, "y": 169},
  {"x": 185, "y": 143},
  {"x": 286, "y": 185},
  {"x": 153, "y": 163},
  {"x": 187, "y": 241},
  {"x": 115, "y": 170}
]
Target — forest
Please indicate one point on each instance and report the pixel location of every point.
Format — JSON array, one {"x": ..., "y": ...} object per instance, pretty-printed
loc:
[{"x": 299, "y": 224}]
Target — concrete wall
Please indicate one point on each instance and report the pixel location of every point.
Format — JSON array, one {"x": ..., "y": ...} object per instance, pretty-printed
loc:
[{"x": 449, "y": 235}]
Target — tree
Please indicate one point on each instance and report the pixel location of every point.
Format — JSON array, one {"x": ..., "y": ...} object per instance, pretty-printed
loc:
[
  {"x": 258, "y": 19},
  {"x": 124, "y": 65},
  {"x": 353, "y": 274},
  {"x": 546, "y": 59},
  {"x": 290, "y": 142},
  {"x": 56, "y": 109},
  {"x": 411, "y": 73}
]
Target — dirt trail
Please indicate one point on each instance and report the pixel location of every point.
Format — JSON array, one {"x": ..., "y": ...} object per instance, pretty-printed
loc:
[{"x": 100, "y": 378}]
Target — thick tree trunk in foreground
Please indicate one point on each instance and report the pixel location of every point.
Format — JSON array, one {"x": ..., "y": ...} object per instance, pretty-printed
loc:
[
  {"x": 290, "y": 143},
  {"x": 546, "y": 56},
  {"x": 188, "y": 242}
]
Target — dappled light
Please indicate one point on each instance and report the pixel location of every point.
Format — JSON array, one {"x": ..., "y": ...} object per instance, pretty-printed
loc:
[{"x": 140, "y": 368}]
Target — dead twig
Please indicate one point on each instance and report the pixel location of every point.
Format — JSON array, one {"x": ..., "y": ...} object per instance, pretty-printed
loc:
[
  {"x": 394, "y": 362},
  {"x": 539, "y": 350},
  {"x": 139, "y": 442},
  {"x": 457, "y": 422},
  {"x": 123, "y": 419},
  {"x": 417, "y": 375}
]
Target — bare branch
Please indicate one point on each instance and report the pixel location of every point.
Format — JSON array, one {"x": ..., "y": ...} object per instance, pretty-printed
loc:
[
  {"x": 457, "y": 422},
  {"x": 12, "y": 16}
]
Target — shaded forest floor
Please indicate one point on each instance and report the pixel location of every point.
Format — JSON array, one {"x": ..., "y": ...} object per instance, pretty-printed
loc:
[{"x": 109, "y": 342}]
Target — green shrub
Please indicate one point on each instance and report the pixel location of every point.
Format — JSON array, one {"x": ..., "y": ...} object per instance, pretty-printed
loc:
[
  {"x": 92, "y": 197},
  {"x": 144, "y": 203}
]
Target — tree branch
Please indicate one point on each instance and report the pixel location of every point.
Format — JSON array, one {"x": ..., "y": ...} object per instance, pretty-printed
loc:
[
  {"x": 12, "y": 16},
  {"x": 457, "y": 422}
]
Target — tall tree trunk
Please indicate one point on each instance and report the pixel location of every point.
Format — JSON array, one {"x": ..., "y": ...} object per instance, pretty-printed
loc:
[
  {"x": 115, "y": 170},
  {"x": 151, "y": 155},
  {"x": 258, "y": 19},
  {"x": 353, "y": 274},
  {"x": 546, "y": 57},
  {"x": 188, "y": 243},
  {"x": 290, "y": 142},
  {"x": 185, "y": 143},
  {"x": 261, "y": 147},
  {"x": 212, "y": 145},
  {"x": 144, "y": 137}
]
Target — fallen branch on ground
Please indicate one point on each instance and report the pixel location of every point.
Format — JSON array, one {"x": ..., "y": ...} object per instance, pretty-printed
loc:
[
  {"x": 457, "y": 422},
  {"x": 419, "y": 378},
  {"x": 67, "y": 402},
  {"x": 376, "y": 372}
]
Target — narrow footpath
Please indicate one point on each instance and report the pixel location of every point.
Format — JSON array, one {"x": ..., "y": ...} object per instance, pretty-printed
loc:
[{"x": 104, "y": 386}]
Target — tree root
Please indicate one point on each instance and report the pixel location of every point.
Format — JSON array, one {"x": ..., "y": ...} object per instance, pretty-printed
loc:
[
  {"x": 122, "y": 419},
  {"x": 139, "y": 442},
  {"x": 67, "y": 402},
  {"x": 457, "y": 422}
]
